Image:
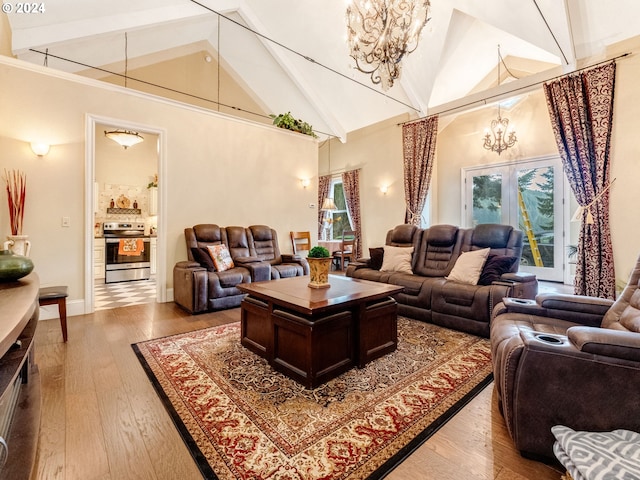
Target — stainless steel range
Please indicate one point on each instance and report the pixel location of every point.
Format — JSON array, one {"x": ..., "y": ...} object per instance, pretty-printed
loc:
[{"x": 128, "y": 252}]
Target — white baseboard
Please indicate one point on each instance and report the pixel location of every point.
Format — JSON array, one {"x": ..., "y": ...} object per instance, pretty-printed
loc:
[{"x": 76, "y": 307}]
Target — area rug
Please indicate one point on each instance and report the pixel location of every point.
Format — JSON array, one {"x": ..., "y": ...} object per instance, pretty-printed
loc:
[{"x": 242, "y": 420}]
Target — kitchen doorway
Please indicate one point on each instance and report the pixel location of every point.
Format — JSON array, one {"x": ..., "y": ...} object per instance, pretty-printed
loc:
[{"x": 124, "y": 216}]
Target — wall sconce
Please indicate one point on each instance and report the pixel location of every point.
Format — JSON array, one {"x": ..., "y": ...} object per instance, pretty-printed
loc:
[
  {"x": 305, "y": 182},
  {"x": 384, "y": 189},
  {"x": 40, "y": 149}
]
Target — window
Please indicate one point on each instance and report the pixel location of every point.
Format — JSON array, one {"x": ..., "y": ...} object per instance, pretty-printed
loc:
[
  {"x": 530, "y": 196},
  {"x": 337, "y": 221}
]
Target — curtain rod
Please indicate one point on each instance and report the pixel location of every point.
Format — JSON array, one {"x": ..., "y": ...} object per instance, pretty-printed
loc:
[{"x": 514, "y": 90}]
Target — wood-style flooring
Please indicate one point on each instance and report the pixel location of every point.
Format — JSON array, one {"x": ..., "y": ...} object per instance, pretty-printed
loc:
[{"x": 101, "y": 418}]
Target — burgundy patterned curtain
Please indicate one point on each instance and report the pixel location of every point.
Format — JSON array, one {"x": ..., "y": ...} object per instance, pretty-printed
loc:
[
  {"x": 351, "y": 186},
  {"x": 419, "y": 150},
  {"x": 324, "y": 187},
  {"x": 581, "y": 111}
]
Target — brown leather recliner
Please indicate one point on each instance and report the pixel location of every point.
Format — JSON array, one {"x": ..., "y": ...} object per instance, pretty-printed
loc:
[
  {"x": 567, "y": 360},
  {"x": 198, "y": 289},
  {"x": 263, "y": 242}
]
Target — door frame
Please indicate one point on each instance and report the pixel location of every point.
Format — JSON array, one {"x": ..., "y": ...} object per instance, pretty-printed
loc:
[
  {"x": 510, "y": 210},
  {"x": 91, "y": 121}
]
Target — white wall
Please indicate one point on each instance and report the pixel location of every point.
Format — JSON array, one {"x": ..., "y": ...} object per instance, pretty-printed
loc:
[{"x": 218, "y": 169}]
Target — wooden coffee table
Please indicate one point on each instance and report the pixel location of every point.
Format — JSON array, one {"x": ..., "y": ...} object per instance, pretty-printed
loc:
[{"x": 313, "y": 335}]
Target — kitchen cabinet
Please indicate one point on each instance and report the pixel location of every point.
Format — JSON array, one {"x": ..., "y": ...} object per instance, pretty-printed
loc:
[
  {"x": 98, "y": 257},
  {"x": 153, "y": 201},
  {"x": 153, "y": 256}
]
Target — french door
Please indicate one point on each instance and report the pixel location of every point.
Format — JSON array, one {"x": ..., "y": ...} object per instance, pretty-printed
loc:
[{"x": 529, "y": 195}]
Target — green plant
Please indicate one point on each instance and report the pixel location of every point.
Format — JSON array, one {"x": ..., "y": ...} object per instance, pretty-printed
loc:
[
  {"x": 286, "y": 120},
  {"x": 319, "y": 252}
]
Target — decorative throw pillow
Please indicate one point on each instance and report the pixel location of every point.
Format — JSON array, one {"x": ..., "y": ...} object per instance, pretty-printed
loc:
[
  {"x": 221, "y": 257},
  {"x": 201, "y": 255},
  {"x": 495, "y": 266},
  {"x": 376, "y": 255},
  {"x": 396, "y": 259},
  {"x": 469, "y": 266}
]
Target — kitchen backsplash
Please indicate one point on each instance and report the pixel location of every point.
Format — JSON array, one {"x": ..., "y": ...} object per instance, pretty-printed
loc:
[{"x": 132, "y": 193}]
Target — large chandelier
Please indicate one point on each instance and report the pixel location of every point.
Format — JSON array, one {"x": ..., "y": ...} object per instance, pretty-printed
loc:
[
  {"x": 381, "y": 32},
  {"x": 498, "y": 137}
]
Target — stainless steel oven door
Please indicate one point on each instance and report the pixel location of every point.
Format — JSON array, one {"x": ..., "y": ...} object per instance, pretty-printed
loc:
[{"x": 127, "y": 259}]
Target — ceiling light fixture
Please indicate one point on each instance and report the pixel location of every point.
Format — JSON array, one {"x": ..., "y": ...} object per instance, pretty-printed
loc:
[
  {"x": 382, "y": 32},
  {"x": 124, "y": 138},
  {"x": 498, "y": 137}
]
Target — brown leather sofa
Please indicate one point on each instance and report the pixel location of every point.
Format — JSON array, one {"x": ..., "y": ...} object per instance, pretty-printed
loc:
[
  {"x": 567, "y": 360},
  {"x": 197, "y": 287},
  {"x": 429, "y": 296}
]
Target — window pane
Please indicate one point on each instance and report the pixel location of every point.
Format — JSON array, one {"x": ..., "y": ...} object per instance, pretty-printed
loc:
[
  {"x": 536, "y": 215},
  {"x": 338, "y": 196},
  {"x": 487, "y": 199}
]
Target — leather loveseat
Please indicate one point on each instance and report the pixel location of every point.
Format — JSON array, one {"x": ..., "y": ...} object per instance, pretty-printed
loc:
[
  {"x": 567, "y": 360},
  {"x": 198, "y": 287},
  {"x": 431, "y": 297}
]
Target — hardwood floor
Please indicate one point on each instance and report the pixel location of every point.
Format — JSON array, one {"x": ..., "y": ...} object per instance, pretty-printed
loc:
[{"x": 101, "y": 418}]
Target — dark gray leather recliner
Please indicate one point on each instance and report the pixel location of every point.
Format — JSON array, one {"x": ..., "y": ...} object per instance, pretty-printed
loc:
[{"x": 567, "y": 360}]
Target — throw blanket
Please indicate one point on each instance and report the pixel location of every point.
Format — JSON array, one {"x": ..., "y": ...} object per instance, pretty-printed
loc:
[
  {"x": 598, "y": 455},
  {"x": 131, "y": 246}
]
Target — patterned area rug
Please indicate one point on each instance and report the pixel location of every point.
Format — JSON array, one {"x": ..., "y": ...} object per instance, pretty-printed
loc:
[{"x": 242, "y": 420}]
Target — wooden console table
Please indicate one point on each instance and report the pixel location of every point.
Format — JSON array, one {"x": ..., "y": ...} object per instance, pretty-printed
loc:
[
  {"x": 313, "y": 335},
  {"x": 19, "y": 378}
]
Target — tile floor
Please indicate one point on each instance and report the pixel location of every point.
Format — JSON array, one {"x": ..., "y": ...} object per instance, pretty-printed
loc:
[{"x": 123, "y": 294}]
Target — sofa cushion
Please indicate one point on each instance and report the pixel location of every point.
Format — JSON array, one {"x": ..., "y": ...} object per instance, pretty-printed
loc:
[
  {"x": 468, "y": 267},
  {"x": 402, "y": 235},
  {"x": 286, "y": 270},
  {"x": 438, "y": 251},
  {"x": 238, "y": 242},
  {"x": 232, "y": 277},
  {"x": 201, "y": 255},
  {"x": 208, "y": 233},
  {"x": 491, "y": 235},
  {"x": 495, "y": 266},
  {"x": 396, "y": 259},
  {"x": 376, "y": 256},
  {"x": 221, "y": 257}
]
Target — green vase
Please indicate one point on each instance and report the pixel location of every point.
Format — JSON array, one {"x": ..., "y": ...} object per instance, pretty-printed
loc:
[{"x": 13, "y": 267}]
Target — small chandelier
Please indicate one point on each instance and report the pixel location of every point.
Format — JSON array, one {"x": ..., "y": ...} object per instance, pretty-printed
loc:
[
  {"x": 124, "y": 138},
  {"x": 381, "y": 32},
  {"x": 498, "y": 137}
]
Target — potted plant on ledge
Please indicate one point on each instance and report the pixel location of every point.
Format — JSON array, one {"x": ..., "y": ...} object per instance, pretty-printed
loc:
[
  {"x": 288, "y": 122},
  {"x": 319, "y": 260}
]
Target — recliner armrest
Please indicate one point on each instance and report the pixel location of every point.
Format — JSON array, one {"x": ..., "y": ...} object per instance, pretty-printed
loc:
[
  {"x": 607, "y": 342},
  {"x": 518, "y": 277},
  {"x": 246, "y": 260},
  {"x": 575, "y": 308},
  {"x": 574, "y": 303},
  {"x": 189, "y": 264},
  {"x": 291, "y": 258}
]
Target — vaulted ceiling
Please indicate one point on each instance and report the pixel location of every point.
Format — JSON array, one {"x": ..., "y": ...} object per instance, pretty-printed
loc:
[{"x": 291, "y": 55}]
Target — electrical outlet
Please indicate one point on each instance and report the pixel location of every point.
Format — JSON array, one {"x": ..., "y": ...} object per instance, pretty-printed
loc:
[
  {"x": 312, "y": 205},
  {"x": 66, "y": 221}
]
